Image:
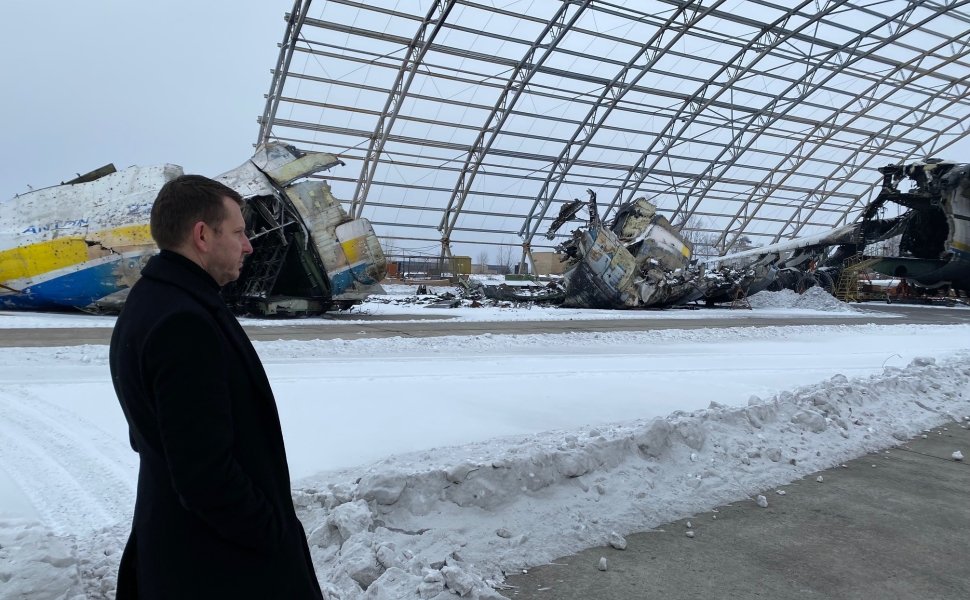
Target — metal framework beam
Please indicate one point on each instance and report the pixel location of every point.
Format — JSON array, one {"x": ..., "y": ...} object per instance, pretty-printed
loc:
[
  {"x": 519, "y": 80},
  {"x": 899, "y": 77},
  {"x": 414, "y": 54},
  {"x": 294, "y": 23},
  {"x": 757, "y": 118}
]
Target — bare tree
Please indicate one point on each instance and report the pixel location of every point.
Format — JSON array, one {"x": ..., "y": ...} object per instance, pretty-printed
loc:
[
  {"x": 388, "y": 246},
  {"x": 741, "y": 244},
  {"x": 483, "y": 261},
  {"x": 701, "y": 242},
  {"x": 505, "y": 259}
]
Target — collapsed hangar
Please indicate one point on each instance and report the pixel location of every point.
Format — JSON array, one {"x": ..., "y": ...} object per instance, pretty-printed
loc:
[{"x": 468, "y": 124}]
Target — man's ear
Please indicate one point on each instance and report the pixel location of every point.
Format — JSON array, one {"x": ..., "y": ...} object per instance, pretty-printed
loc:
[{"x": 200, "y": 236}]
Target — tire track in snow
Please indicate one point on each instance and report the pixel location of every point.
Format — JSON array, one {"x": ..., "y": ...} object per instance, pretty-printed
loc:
[{"x": 74, "y": 474}]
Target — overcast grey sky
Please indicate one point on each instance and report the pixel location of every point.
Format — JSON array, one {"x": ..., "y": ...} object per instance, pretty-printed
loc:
[{"x": 132, "y": 82}]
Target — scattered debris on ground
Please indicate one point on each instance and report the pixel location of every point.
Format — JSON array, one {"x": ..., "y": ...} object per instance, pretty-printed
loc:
[{"x": 485, "y": 291}]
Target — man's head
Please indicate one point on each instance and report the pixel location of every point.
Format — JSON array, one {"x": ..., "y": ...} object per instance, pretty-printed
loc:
[{"x": 201, "y": 219}]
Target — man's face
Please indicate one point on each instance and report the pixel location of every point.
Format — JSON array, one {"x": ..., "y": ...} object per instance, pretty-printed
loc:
[{"x": 228, "y": 246}]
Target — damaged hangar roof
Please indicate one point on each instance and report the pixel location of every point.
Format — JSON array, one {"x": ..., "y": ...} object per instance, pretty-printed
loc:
[{"x": 471, "y": 122}]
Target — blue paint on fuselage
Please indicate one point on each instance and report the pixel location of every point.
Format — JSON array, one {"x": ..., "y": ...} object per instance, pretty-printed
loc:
[
  {"x": 72, "y": 290},
  {"x": 342, "y": 281}
]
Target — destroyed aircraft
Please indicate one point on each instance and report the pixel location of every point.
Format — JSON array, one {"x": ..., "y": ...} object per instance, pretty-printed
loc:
[
  {"x": 82, "y": 244},
  {"x": 639, "y": 260},
  {"x": 934, "y": 234},
  {"x": 935, "y": 242}
]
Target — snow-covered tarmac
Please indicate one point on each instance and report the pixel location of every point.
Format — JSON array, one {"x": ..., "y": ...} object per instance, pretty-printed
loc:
[{"x": 432, "y": 466}]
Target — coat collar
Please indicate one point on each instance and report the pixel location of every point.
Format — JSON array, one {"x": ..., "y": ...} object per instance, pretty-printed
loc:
[{"x": 175, "y": 269}]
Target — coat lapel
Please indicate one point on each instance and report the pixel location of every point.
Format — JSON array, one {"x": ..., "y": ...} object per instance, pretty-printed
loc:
[{"x": 237, "y": 336}]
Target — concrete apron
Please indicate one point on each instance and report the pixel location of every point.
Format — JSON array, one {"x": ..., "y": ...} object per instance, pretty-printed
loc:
[{"x": 890, "y": 525}]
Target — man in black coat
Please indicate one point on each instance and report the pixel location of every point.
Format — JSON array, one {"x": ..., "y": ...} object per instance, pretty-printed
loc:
[{"x": 214, "y": 517}]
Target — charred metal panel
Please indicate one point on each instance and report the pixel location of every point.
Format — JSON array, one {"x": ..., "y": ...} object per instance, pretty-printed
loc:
[
  {"x": 349, "y": 249},
  {"x": 934, "y": 233},
  {"x": 650, "y": 235},
  {"x": 637, "y": 261},
  {"x": 603, "y": 276},
  {"x": 956, "y": 206},
  {"x": 935, "y": 240}
]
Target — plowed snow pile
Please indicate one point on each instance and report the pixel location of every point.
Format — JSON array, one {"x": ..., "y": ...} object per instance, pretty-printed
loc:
[
  {"x": 814, "y": 298},
  {"x": 453, "y": 521}
]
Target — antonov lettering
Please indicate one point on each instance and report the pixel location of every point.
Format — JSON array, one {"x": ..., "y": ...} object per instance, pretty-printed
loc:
[{"x": 72, "y": 224}]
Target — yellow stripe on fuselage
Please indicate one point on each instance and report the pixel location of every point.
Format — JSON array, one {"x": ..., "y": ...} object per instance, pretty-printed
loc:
[
  {"x": 43, "y": 257},
  {"x": 35, "y": 259},
  {"x": 122, "y": 237},
  {"x": 960, "y": 246},
  {"x": 352, "y": 249}
]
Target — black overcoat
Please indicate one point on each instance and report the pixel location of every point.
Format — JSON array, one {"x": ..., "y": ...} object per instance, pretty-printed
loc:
[{"x": 213, "y": 516}]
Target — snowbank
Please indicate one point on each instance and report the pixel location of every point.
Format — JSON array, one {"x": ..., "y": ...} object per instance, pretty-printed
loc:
[
  {"x": 457, "y": 519},
  {"x": 814, "y": 298},
  {"x": 449, "y": 521}
]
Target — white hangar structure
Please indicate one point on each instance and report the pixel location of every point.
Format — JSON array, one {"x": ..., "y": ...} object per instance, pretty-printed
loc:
[{"x": 466, "y": 124}]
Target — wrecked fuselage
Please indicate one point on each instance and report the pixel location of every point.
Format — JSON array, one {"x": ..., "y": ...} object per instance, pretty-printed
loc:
[
  {"x": 934, "y": 247},
  {"x": 638, "y": 260},
  {"x": 934, "y": 235},
  {"x": 308, "y": 255},
  {"x": 83, "y": 244}
]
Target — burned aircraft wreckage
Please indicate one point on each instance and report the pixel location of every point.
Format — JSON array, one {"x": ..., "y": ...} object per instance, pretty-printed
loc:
[
  {"x": 934, "y": 244},
  {"x": 639, "y": 260},
  {"x": 83, "y": 244}
]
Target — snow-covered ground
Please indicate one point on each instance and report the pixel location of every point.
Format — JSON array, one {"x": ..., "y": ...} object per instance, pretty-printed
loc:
[
  {"x": 429, "y": 467},
  {"x": 401, "y": 303}
]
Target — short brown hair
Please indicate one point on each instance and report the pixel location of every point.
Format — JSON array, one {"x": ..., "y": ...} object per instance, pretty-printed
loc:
[{"x": 183, "y": 202}]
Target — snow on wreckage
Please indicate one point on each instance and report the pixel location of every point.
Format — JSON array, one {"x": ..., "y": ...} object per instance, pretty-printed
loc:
[
  {"x": 638, "y": 259},
  {"x": 933, "y": 236},
  {"x": 82, "y": 244}
]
